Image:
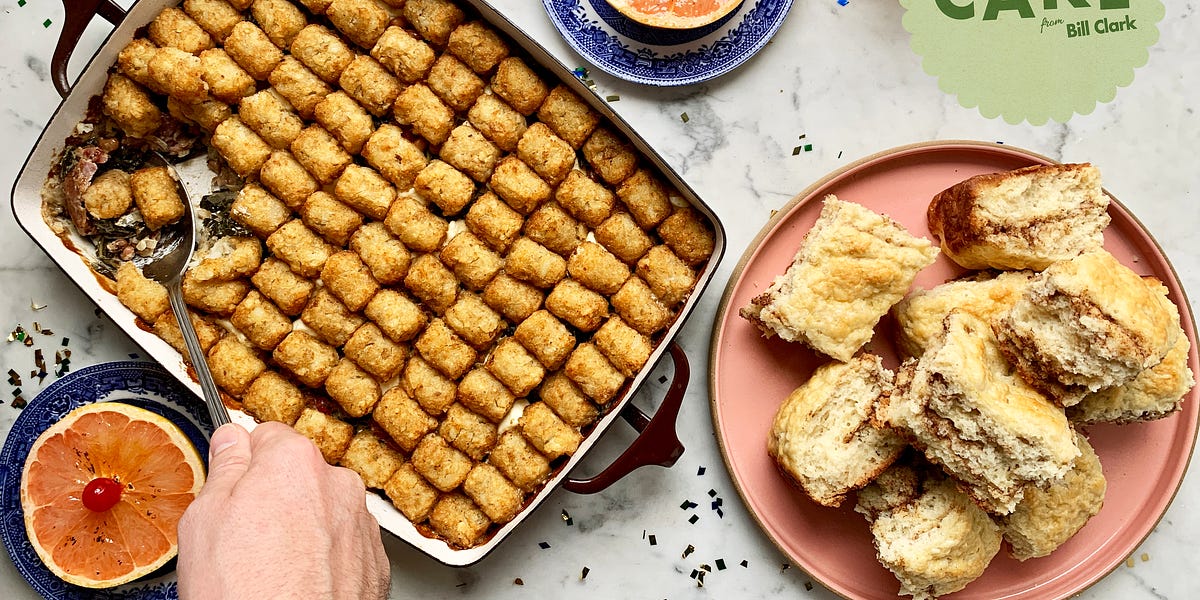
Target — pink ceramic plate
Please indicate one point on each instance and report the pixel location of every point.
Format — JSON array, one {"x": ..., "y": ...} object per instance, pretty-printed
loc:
[{"x": 751, "y": 376}]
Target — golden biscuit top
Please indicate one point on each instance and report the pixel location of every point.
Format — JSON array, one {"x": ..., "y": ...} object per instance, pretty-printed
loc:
[
  {"x": 1121, "y": 296},
  {"x": 970, "y": 356},
  {"x": 985, "y": 295},
  {"x": 850, "y": 269}
]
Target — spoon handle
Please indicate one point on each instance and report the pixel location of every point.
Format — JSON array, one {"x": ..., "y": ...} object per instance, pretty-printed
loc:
[{"x": 216, "y": 408}]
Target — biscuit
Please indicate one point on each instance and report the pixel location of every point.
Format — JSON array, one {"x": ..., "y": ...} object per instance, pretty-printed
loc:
[
  {"x": 850, "y": 269},
  {"x": 822, "y": 437},
  {"x": 1022, "y": 219},
  {"x": 1086, "y": 324},
  {"x": 987, "y": 295},
  {"x": 1154, "y": 393},
  {"x": 961, "y": 406},
  {"x": 927, "y": 532},
  {"x": 1046, "y": 518}
]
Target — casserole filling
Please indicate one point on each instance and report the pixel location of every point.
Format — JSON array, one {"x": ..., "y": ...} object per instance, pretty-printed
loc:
[{"x": 423, "y": 254}]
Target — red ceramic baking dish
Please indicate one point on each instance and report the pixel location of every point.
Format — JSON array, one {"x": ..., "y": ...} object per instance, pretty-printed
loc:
[{"x": 657, "y": 443}]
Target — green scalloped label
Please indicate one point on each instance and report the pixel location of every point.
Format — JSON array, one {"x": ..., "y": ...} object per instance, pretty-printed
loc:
[{"x": 1033, "y": 60}]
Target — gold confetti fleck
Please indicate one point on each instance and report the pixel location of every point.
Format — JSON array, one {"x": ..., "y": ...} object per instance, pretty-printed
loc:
[
  {"x": 35, "y": 306},
  {"x": 684, "y": 117},
  {"x": 1129, "y": 563},
  {"x": 1145, "y": 557}
]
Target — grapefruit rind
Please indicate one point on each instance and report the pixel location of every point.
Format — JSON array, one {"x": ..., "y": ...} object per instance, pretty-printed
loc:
[
  {"x": 675, "y": 14},
  {"x": 162, "y": 472}
]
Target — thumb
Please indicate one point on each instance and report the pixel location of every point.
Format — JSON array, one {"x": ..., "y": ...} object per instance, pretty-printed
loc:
[{"x": 228, "y": 459}]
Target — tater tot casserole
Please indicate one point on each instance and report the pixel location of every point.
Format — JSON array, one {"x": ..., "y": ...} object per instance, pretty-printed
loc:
[{"x": 424, "y": 252}]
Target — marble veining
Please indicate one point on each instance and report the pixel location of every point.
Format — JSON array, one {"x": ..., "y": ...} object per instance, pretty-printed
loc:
[{"x": 841, "y": 76}]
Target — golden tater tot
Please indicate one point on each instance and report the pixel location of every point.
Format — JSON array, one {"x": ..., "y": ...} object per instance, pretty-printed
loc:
[
  {"x": 455, "y": 83},
  {"x": 175, "y": 29},
  {"x": 157, "y": 196},
  {"x": 395, "y": 314},
  {"x": 271, "y": 117},
  {"x": 226, "y": 81},
  {"x": 145, "y": 297},
  {"x": 178, "y": 74},
  {"x": 568, "y": 115},
  {"x": 234, "y": 365},
  {"x": 346, "y": 120},
  {"x": 519, "y": 85},
  {"x": 433, "y": 19},
  {"x": 271, "y": 397},
  {"x": 361, "y": 21},
  {"x": 477, "y": 45},
  {"x": 253, "y": 50},
  {"x": 288, "y": 290},
  {"x": 498, "y": 121},
  {"x": 447, "y": 187},
  {"x": 109, "y": 196},
  {"x": 259, "y": 211},
  {"x": 372, "y": 458},
  {"x": 499, "y": 499},
  {"x": 322, "y": 51},
  {"x": 279, "y": 19},
  {"x": 320, "y": 153},
  {"x": 429, "y": 117},
  {"x": 331, "y": 434},
  {"x": 394, "y": 156},
  {"x": 386, "y": 256},
  {"x": 306, "y": 357},
  {"x": 217, "y": 17},
  {"x": 128, "y": 104},
  {"x": 370, "y": 84},
  {"x": 403, "y": 54},
  {"x": 299, "y": 85},
  {"x": 240, "y": 146}
]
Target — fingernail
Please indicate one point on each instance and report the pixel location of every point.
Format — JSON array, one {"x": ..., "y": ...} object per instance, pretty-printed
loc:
[{"x": 224, "y": 437}]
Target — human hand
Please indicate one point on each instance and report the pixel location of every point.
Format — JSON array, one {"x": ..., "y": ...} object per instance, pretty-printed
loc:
[{"x": 274, "y": 520}]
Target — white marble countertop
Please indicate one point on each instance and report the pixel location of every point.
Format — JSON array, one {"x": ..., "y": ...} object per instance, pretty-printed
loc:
[{"x": 843, "y": 76}]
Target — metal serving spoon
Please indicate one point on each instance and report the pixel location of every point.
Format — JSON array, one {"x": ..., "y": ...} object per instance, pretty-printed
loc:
[{"x": 167, "y": 268}]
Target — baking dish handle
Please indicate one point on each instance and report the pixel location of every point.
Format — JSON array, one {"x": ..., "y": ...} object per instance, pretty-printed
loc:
[
  {"x": 657, "y": 442},
  {"x": 78, "y": 14}
]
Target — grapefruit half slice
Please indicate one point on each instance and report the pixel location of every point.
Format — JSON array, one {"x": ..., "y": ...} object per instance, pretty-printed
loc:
[
  {"x": 103, "y": 490},
  {"x": 675, "y": 14}
]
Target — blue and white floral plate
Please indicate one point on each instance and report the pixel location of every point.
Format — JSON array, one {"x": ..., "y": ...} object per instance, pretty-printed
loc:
[
  {"x": 663, "y": 57},
  {"x": 146, "y": 385}
]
